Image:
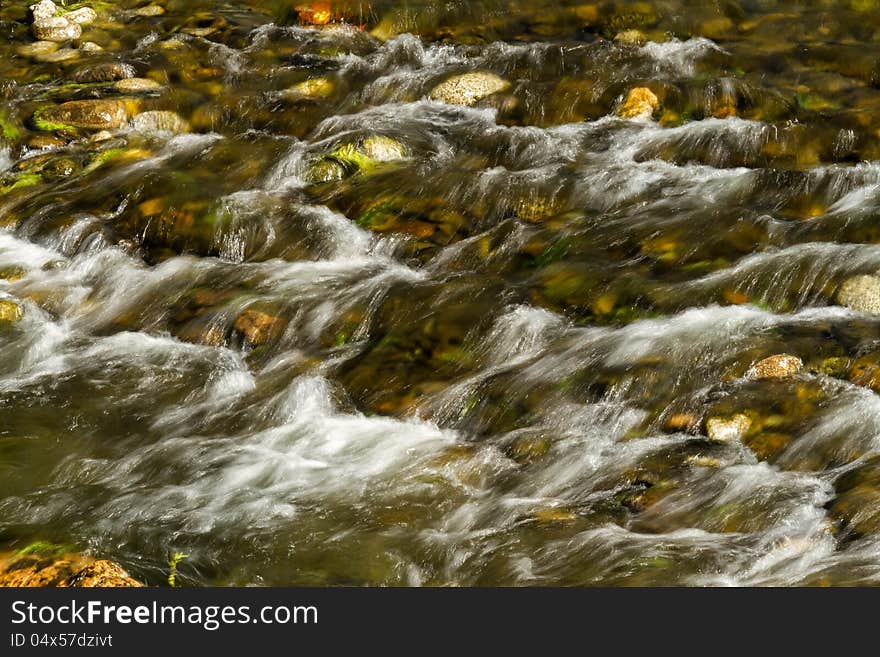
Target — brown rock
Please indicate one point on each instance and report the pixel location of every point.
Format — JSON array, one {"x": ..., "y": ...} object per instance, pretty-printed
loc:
[
  {"x": 680, "y": 422},
  {"x": 70, "y": 570},
  {"x": 776, "y": 367},
  {"x": 102, "y": 574},
  {"x": 86, "y": 114},
  {"x": 640, "y": 103},
  {"x": 259, "y": 327}
]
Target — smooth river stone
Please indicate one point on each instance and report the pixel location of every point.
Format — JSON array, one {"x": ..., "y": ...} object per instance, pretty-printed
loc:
[
  {"x": 136, "y": 85},
  {"x": 469, "y": 88},
  {"x": 107, "y": 72},
  {"x": 160, "y": 121},
  {"x": 58, "y": 29},
  {"x": 88, "y": 114}
]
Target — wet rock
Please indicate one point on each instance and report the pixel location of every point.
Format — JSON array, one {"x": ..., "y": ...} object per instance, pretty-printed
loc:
[
  {"x": 82, "y": 16},
  {"x": 535, "y": 208},
  {"x": 106, "y": 72},
  {"x": 136, "y": 85},
  {"x": 349, "y": 159},
  {"x": 767, "y": 445},
  {"x": 150, "y": 11},
  {"x": 856, "y": 508},
  {"x": 37, "y": 48},
  {"x": 35, "y": 569},
  {"x": 50, "y": 25},
  {"x": 631, "y": 37},
  {"x": 314, "y": 13},
  {"x": 57, "y": 29},
  {"x": 326, "y": 170},
  {"x": 865, "y": 371},
  {"x": 835, "y": 366},
  {"x": 681, "y": 422},
  {"x": 379, "y": 148},
  {"x": 104, "y": 574},
  {"x": 43, "y": 11},
  {"x": 259, "y": 327},
  {"x": 640, "y": 103},
  {"x": 318, "y": 88},
  {"x": 45, "y": 142},
  {"x": 160, "y": 121},
  {"x": 90, "y": 47},
  {"x": 469, "y": 88},
  {"x": 10, "y": 311},
  {"x": 776, "y": 367},
  {"x": 12, "y": 273},
  {"x": 85, "y": 114},
  {"x": 861, "y": 293},
  {"x": 61, "y": 55},
  {"x": 727, "y": 429}
]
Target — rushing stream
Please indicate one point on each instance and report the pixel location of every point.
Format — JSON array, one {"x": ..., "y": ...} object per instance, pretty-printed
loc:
[{"x": 283, "y": 292}]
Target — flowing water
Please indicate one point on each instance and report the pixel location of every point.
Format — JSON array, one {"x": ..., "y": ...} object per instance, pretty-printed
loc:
[{"x": 343, "y": 332}]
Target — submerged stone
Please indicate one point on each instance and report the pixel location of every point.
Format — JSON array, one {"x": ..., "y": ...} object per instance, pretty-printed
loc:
[
  {"x": 640, "y": 103},
  {"x": 160, "y": 121},
  {"x": 861, "y": 293},
  {"x": 90, "y": 47},
  {"x": 382, "y": 149},
  {"x": 259, "y": 327},
  {"x": 35, "y": 569},
  {"x": 136, "y": 85},
  {"x": 469, "y": 88},
  {"x": 52, "y": 24},
  {"x": 776, "y": 367},
  {"x": 62, "y": 55},
  {"x": 727, "y": 429},
  {"x": 58, "y": 29},
  {"x": 85, "y": 114},
  {"x": 106, "y": 72},
  {"x": 312, "y": 89},
  {"x": 326, "y": 170},
  {"x": 82, "y": 16},
  {"x": 150, "y": 11},
  {"x": 37, "y": 48},
  {"x": 10, "y": 311}
]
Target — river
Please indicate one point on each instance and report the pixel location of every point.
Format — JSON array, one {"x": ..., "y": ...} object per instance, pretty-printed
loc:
[{"x": 415, "y": 293}]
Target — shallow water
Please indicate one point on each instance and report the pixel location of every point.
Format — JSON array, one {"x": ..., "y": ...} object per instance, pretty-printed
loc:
[{"x": 487, "y": 357}]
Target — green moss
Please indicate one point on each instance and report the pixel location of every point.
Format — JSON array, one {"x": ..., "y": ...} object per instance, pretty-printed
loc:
[
  {"x": 43, "y": 549},
  {"x": 50, "y": 126},
  {"x": 103, "y": 157},
  {"x": 7, "y": 128},
  {"x": 553, "y": 253},
  {"x": 352, "y": 158},
  {"x": 379, "y": 214},
  {"x": 23, "y": 181}
]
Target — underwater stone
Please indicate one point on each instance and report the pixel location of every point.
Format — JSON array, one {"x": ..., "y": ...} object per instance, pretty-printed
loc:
[
  {"x": 382, "y": 149},
  {"x": 469, "y": 88},
  {"x": 775, "y": 367},
  {"x": 258, "y": 327},
  {"x": 10, "y": 311},
  {"x": 107, "y": 72},
  {"x": 726, "y": 429},
  {"x": 136, "y": 85},
  {"x": 82, "y": 16},
  {"x": 160, "y": 121},
  {"x": 58, "y": 29},
  {"x": 86, "y": 114},
  {"x": 312, "y": 89},
  {"x": 640, "y": 103},
  {"x": 861, "y": 293}
]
